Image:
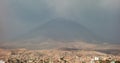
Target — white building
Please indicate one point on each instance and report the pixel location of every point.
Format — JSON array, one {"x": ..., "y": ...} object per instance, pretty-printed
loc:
[
  {"x": 96, "y": 58},
  {"x": 1, "y": 61},
  {"x": 112, "y": 62}
]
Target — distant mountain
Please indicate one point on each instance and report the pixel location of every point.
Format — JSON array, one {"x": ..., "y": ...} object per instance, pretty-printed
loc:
[{"x": 62, "y": 30}]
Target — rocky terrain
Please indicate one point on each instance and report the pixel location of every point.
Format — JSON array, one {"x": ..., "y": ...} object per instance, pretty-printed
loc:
[{"x": 60, "y": 55}]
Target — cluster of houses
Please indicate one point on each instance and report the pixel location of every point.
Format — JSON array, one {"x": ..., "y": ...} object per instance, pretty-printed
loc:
[
  {"x": 58, "y": 57},
  {"x": 93, "y": 60}
]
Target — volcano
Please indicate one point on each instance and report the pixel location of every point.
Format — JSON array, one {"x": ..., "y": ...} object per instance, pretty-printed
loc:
[{"x": 62, "y": 30}]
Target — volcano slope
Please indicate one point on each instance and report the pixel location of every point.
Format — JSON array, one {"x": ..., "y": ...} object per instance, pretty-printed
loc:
[{"x": 56, "y": 32}]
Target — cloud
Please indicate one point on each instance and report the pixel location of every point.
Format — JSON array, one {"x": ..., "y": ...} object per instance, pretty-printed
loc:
[
  {"x": 24, "y": 16},
  {"x": 3, "y": 17},
  {"x": 111, "y": 5},
  {"x": 30, "y": 10},
  {"x": 101, "y": 16}
]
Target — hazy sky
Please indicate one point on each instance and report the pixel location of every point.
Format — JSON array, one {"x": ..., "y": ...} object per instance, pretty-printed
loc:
[{"x": 20, "y": 16}]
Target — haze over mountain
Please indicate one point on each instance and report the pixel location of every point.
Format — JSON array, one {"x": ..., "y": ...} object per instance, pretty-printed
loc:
[
  {"x": 61, "y": 29},
  {"x": 32, "y": 23}
]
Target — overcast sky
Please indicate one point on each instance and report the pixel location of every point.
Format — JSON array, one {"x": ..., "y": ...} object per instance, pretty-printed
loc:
[{"x": 20, "y": 16}]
